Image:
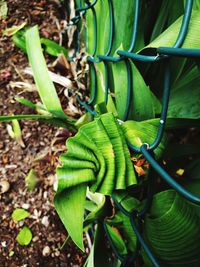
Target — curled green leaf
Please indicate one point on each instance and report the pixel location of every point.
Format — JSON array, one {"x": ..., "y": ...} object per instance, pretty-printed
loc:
[{"x": 98, "y": 157}]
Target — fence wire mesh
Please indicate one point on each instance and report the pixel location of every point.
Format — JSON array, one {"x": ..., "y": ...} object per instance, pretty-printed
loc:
[{"x": 162, "y": 54}]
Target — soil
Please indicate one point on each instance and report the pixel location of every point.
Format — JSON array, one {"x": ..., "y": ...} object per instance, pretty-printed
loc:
[{"x": 42, "y": 147}]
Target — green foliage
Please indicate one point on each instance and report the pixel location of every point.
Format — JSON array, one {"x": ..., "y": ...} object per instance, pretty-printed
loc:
[
  {"x": 30, "y": 42},
  {"x": 19, "y": 214},
  {"x": 31, "y": 180},
  {"x": 44, "y": 84},
  {"x": 172, "y": 223},
  {"x": 98, "y": 164},
  {"x": 24, "y": 237},
  {"x": 50, "y": 47},
  {"x": 96, "y": 155}
]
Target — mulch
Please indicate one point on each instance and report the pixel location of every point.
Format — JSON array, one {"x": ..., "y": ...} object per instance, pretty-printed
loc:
[{"x": 43, "y": 145}]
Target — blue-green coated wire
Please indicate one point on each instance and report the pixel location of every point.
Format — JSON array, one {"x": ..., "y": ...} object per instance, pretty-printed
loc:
[
  {"x": 106, "y": 57},
  {"x": 179, "y": 41},
  {"x": 93, "y": 60},
  {"x": 132, "y": 216},
  {"x": 109, "y": 50},
  {"x": 111, "y": 27},
  {"x": 138, "y": 57},
  {"x": 142, "y": 241},
  {"x": 85, "y": 104},
  {"x": 87, "y": 107},
  {"x": 150, "y": 192},
  {"x": 82, "y": 10},
  {"x": 134, "y": 34},
  {"x": 165, "y": 102},
  {"x": 95, "y": 31},
  {"x": 135, "y": 25},
  {"x": 179, "y": 52},
  {"x": 98, "y": 60},
  {"x": 121, "y": 258},
  {"x": 110, "y": 58},
  {"x": 90, "y": 5},
  {"x": 92, "y": 67},
  {"x": 180, "y": 189},
  {"x": 120, "y": 207},
  {"x": 129, "y": 89},
  {"x": 106, "y": 82},
  {"x": 163, "y": 116},
  {"x": 185, "y": 24}
]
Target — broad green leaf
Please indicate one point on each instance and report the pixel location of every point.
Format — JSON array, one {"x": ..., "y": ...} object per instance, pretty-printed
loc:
[
  {"x": 100, "y": 91},
  {"x": 97, "y": 156},
  {"x": 169, "y": 11},
  {"x": 196, "y": 5},
  {"x": 44, "y": 84},
  {"x": 89, "y": 40},
  {"x": 171, "y": 224},
  {"x": 138, "y": 133},
  {"x": 184, "y": 100},
  {"x": 103, "y": 31},
  {"x": 69, "y": 204},
  {"x": 168, "y": 37},
  {"x": 19, "y": 214},
  {"x": 24, "y": 237},
  {"x": 141, "y": 106},
  {"x": 31, "y": 180},
  {"x": 123, "y": 26}
]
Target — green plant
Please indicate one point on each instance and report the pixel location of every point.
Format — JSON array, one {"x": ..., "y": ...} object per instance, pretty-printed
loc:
[
  {"x": 136, "y": 97},
  {"x": 103, "y": 185}
]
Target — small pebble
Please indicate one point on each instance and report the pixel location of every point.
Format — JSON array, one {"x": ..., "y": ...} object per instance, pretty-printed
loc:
[
  {"x": 4, "y": 245},
  {"x": 21, "y": 223},
  {"x": 26, "y": 206},
  {"x": 45, "y": 221},
  {"x": 46, "y": 251},
  {"x": 35, "y": 238},
  {"x": 4, "y": 186},
  {"x": 45, "y": 194}
]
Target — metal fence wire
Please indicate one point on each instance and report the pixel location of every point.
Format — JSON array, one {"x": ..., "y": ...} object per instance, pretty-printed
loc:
[{"x": 162, "y": 54}]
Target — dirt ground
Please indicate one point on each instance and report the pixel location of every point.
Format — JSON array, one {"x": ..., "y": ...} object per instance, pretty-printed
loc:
[{"x": 42, "y": 146}]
